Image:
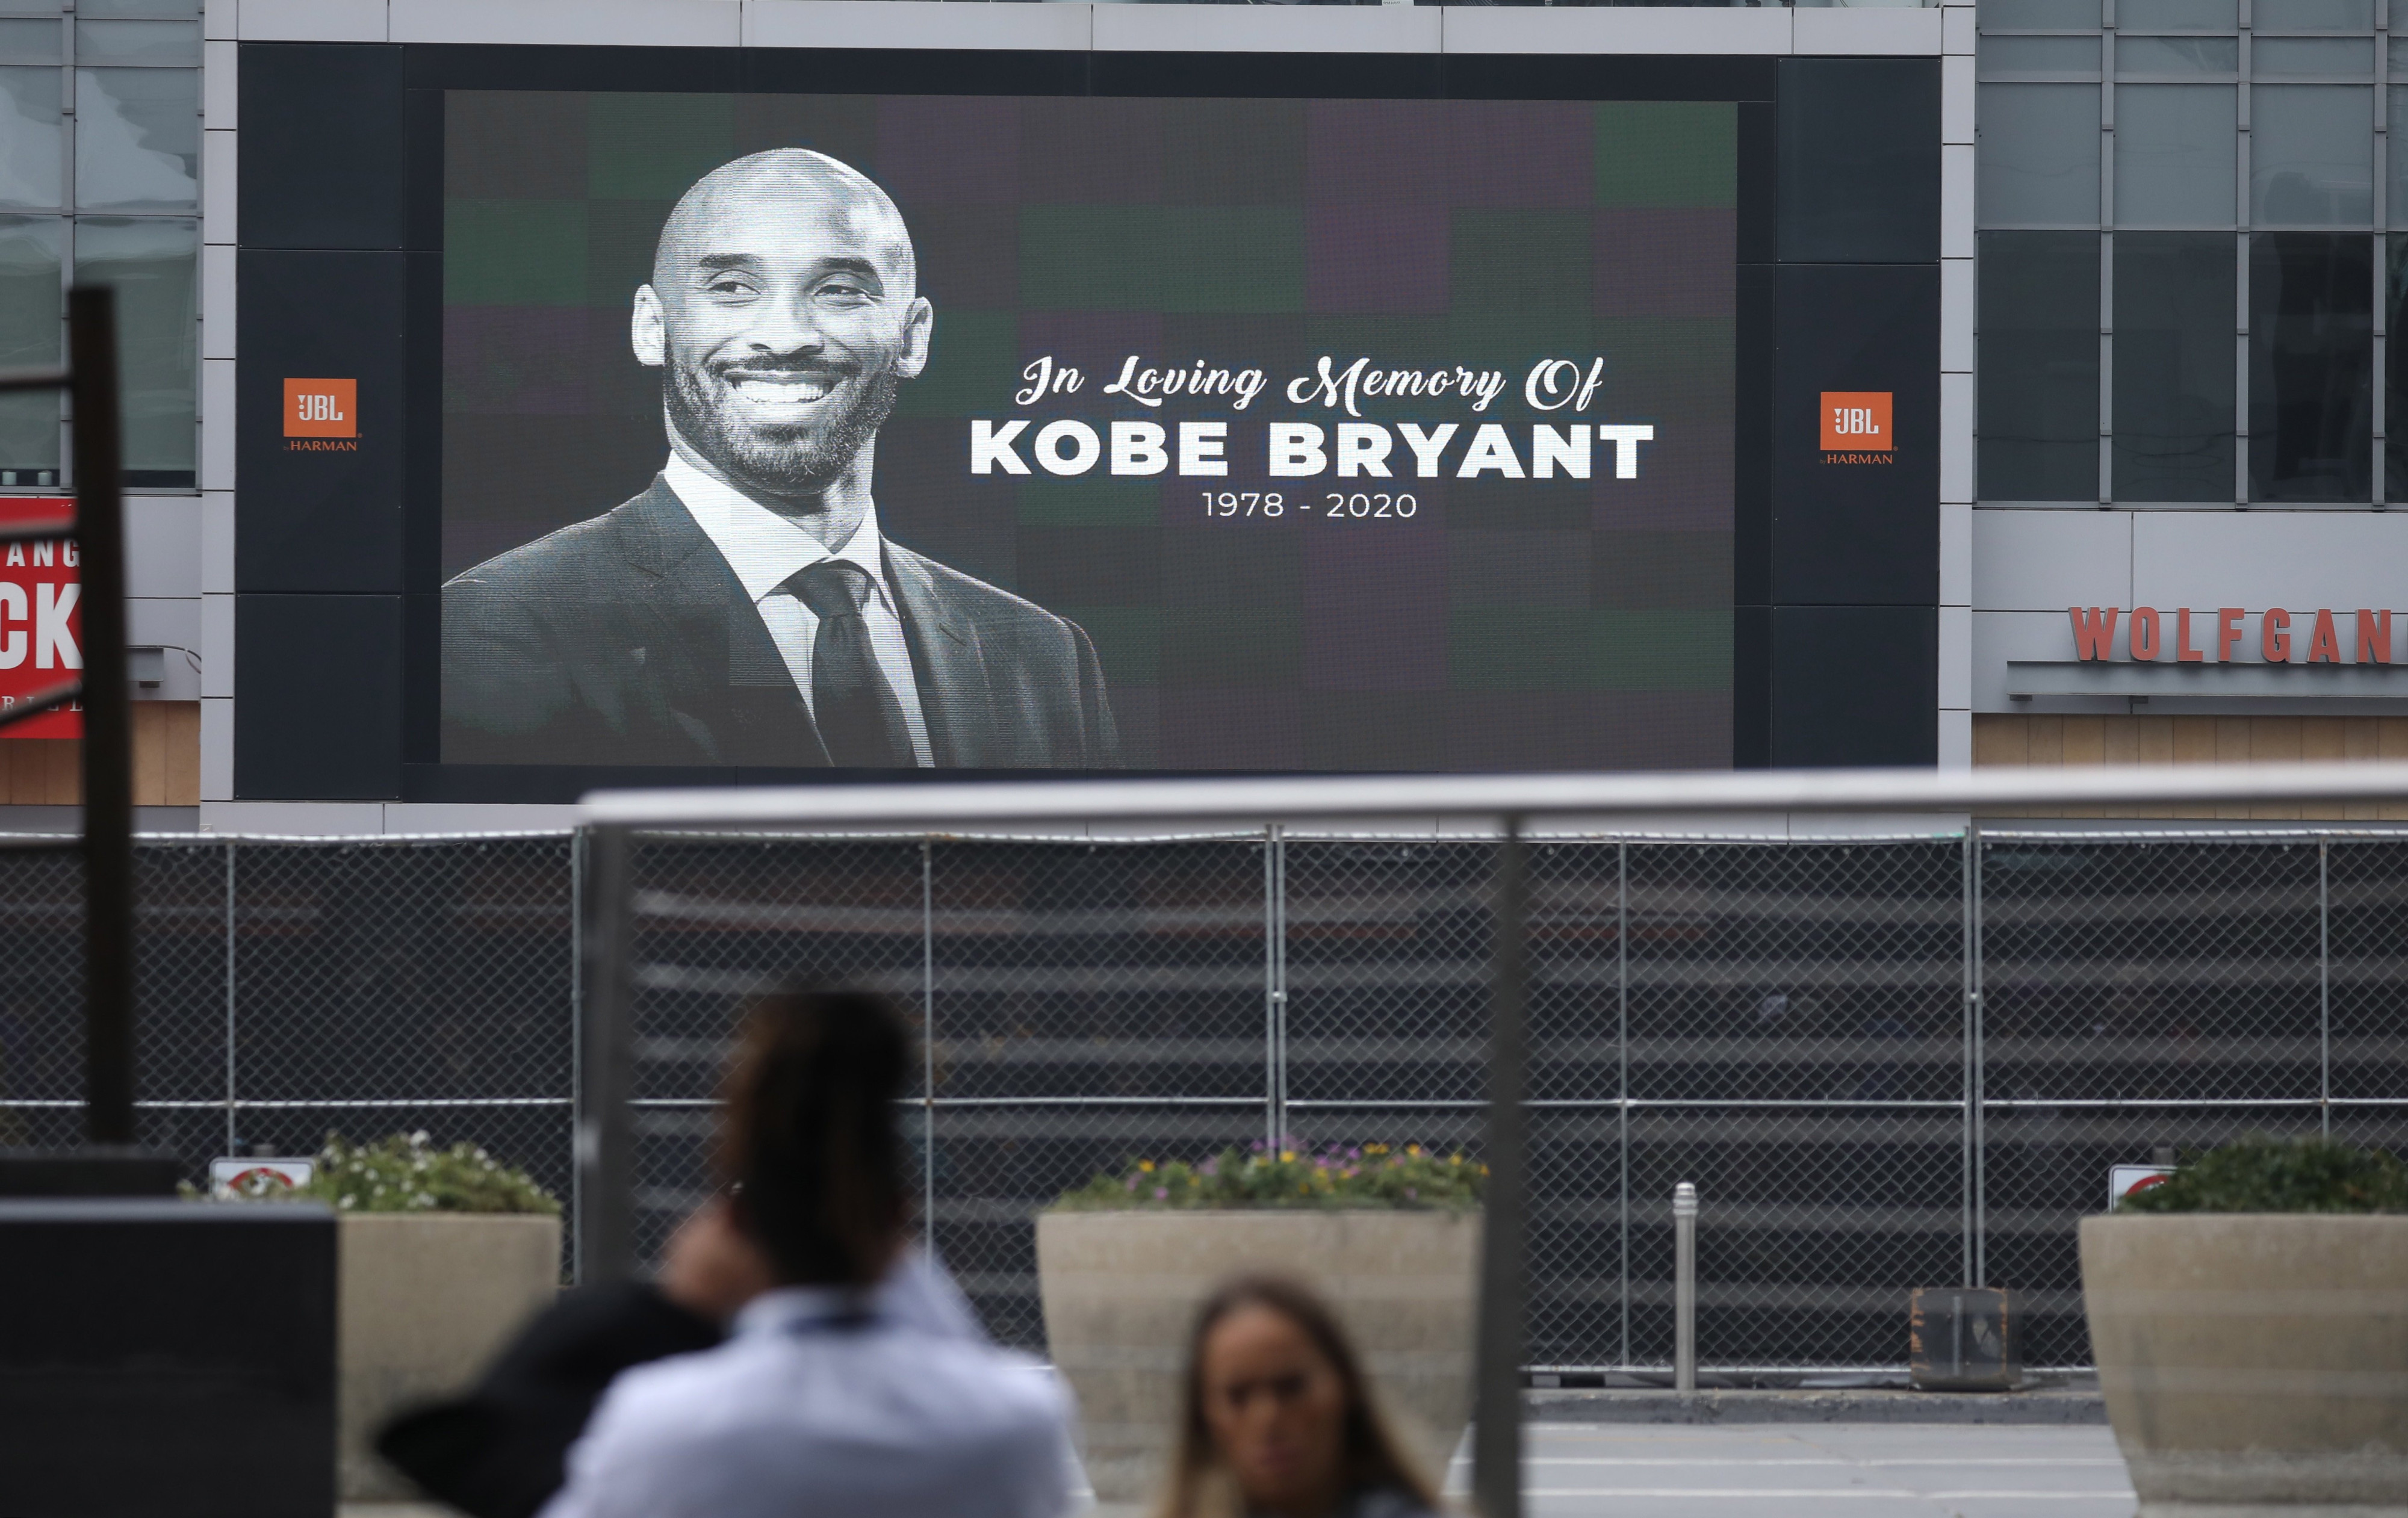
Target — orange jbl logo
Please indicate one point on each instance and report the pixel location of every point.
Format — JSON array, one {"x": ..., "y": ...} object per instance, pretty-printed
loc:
[
  {"x": 1855, "y": 422},
  {"x": 322, "y": 409}
]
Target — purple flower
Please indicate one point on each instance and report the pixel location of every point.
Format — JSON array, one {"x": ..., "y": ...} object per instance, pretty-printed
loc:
[
  {"x": 1353, "y": 1154},
  {"x": 1259, "y": 1146},
  {"x": 1132, "y": 1183},
  {"x": 1211, "y": 1166},
  {"x": 1412, "y": 1194},
  {"x": 1162, "y": 1194}
]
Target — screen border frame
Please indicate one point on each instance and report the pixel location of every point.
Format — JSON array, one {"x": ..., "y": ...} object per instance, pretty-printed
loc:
[{"x": 1750, "y": 83}]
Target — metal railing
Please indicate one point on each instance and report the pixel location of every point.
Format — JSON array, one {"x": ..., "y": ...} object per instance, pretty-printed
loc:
[
  {"x": 1886, "y": 1063},
  {"x": 617, "y": 959}
]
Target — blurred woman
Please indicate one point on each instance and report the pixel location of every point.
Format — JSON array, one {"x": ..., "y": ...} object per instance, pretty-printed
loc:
[
  {"x": 857, "y": 1383},
  {"x": 1277, "y": 1419}
]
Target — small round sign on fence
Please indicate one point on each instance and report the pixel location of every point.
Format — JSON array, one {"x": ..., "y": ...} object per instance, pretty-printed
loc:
[{"x": 2125, "y": 1180}]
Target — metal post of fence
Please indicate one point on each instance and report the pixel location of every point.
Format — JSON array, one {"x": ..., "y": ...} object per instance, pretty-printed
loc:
[
  {"x": 1622, "y": 1083},
  {"x": 230, "y": 1135},
  {"x": 929, "y": 1045},
  {"x": 577, "y": 894},
  {"x": 1685, "y": 1288},
  {"x": 1270, "y": 988},
  {"x": 1279, "y": 973},
  {"x": 1966, "y": 866},
  {"x": 107, "y": 722},
  {"x": 1977, "y": 1104},
  {"x": 2323, "y": 982},
  {"x": 1497, "y": 1434},
  {"x": 605, "y": 1140}
]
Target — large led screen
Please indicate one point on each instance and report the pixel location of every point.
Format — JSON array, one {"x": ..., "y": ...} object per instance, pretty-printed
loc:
[{"x": 991, "y": 432}]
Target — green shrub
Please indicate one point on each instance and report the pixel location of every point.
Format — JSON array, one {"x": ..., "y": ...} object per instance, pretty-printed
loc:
[
  {"x": 404, "y": 1173},
  {"x": 1406, "y": 1178},
  {"x": 2257, "y": 1173}
]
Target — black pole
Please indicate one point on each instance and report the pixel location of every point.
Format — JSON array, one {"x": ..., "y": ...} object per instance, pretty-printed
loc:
[
  {"x": 606, "y": 1226},
  {"x": 1496, "y": 1431},
  {"x": 107, "y": 725}
]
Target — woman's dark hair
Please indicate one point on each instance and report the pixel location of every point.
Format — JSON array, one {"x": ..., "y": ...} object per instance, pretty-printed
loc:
[
  {"x": 809, "y": 1148},
  {"x": 1375, "y": 1457}
]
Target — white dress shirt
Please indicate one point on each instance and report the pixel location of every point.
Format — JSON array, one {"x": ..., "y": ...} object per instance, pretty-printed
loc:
[
  {"x": 764, "y": 550},
  {"x": 912, "y": 1413}
]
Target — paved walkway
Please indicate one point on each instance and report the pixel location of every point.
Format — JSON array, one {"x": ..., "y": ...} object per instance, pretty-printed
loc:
[
  {"x": 1819, "y": 1470},
  {"x": 1779, "y": 1470}
]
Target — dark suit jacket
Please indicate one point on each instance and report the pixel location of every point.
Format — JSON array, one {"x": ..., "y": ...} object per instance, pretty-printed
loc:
[
  {"x": 500, "y": 1449},
  {"x": 626, "y": 640}
]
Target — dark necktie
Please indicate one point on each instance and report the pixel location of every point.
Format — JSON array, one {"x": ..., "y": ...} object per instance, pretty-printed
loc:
[{"x": 859, "y": 717}]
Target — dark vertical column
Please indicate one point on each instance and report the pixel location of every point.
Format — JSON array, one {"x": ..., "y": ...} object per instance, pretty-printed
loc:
[
  {"x": 606, "y": 1233},
  {"x": 1849, "y": 635},
  {"x": 1496, "y": 1433},
  {"x": 107, "y": 724}
]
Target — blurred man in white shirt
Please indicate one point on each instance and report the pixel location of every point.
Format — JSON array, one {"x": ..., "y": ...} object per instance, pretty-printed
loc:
[{"x": 860, "y": 1382}]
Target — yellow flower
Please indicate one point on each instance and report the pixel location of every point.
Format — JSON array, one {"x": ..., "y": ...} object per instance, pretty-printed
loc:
[
  {"x": 1413, "y": 1148},
  {"x": 1147, "y": 1166},
  {"x": 1288, "y": 1155},
  {"x": 1302, "y": 1188}
]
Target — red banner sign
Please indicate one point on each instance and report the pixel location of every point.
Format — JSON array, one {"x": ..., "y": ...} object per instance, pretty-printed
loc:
[{"x": 41, "y": 618}]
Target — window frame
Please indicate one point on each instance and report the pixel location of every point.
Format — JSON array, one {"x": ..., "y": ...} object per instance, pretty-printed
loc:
[
  {"x": 69, "y": 212},
  {"x": 2384, "y": 215}
]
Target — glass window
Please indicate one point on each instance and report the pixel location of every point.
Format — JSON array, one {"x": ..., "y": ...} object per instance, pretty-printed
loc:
[
  {"x": 2175, "y": 147},
  {"x": 2036, "y": 416},
  {"x": 1994, "y": 55},
  {"x": 151, "y": 264},
  {"x": 30, "y": 338},
  {"x": 2311, "y": 367},
  {"x": 33, "y": 161},
  {"x": 2311, "y": 155},
  {"x": 138, "y": 139},
  {"x": 2176, "y": 55},
  {"x": 2395, "y": 372},
  {"x": 137, "y": 42},
  {"x": 2174, "y": 353},
  {"x": 2397, "y": 203},
  {"x": 29, "y": 42},
  {"x": 2175, "y": 16},
  {"x": 2039, "y": 155},
  {"x": 178, "y": 9},
  {"x": 2313, "y": 15},
  {"x": 2311, "y": 57},
  {"x": 2040, "y": 15}
]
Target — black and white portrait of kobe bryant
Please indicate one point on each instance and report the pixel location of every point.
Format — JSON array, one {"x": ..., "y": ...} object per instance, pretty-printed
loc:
[{"x": 746, "y": 609}]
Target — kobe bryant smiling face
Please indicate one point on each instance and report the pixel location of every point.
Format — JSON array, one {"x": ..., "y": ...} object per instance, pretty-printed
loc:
[{"x": 783, "y": 311}]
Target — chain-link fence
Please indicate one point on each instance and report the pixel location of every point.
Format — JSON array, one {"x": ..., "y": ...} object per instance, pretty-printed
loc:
[
  {"x": 286, "y": 989},
  {"x": 1885, "y": 1063}
]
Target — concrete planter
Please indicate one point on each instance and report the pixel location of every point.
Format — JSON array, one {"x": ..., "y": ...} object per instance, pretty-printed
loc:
[
  {"x": 423, "y": 1301},
  {"x": 2254, "y": 1362},
  {"x": 1121, "y": 1290}
]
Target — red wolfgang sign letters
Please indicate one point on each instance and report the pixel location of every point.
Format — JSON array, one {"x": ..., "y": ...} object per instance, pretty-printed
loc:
[
  {"x": 41, "y": 619},
  {"x": 2150, "y": 636}
]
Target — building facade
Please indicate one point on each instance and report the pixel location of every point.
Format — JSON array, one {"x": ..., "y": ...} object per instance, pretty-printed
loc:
[
  {"x": 2150, "y": 391},
  {"x": 2189, "y": 413}
]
